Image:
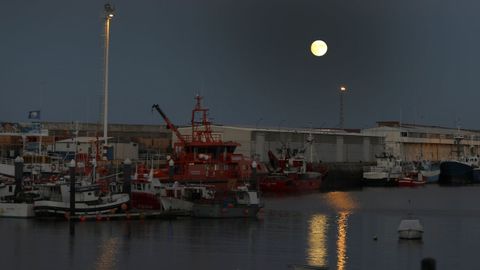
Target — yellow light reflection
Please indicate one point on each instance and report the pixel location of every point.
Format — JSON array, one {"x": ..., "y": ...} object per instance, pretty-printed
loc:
[
  {"x": 342, "y": 240},
  {"x": 317, "y": 240},
  {"x": 107, "y": 254},
  {"x": 341, "y": 201}
]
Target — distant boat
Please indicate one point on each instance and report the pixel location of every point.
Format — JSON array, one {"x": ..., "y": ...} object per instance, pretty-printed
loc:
[
  {"x": 237, "y": 203},
  {"x": 429, "y": 171},
  {"x": 458, "y": 172},
  {"x": 411, "y": 181},
  {"x": 290, "y": 175},
  {"x": 410, "y": 228},
  {"x": 385, "y": 173}
]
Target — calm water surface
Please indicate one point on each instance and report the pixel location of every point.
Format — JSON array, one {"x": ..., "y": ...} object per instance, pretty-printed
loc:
[{"x": 334, "y": 229}]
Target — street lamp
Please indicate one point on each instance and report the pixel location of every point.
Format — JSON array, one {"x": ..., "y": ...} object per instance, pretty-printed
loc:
[
  {"x": 109, "y": 14},
  {"x": 343, "y": 89}
]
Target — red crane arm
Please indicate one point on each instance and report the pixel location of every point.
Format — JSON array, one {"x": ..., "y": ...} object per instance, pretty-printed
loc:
[{"x": 170, "y": 125}]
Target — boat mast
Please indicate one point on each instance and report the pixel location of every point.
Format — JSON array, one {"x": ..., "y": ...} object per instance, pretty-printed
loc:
[{"x": 109, "y": 14}]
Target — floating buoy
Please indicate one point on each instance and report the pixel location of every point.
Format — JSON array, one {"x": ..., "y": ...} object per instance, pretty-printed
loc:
[
  {"x": 82, "y": 218},
  {"x": 375, "y": 238}
]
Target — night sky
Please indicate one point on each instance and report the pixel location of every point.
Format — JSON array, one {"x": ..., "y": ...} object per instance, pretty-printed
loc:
[{"x": 410, "y": 60}]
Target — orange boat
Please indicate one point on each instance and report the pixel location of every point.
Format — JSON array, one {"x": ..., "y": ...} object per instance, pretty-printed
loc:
[{"x": 203, "y": 157}]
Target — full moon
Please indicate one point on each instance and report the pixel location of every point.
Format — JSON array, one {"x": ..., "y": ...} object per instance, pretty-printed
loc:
[{"x": 319, "y": 48}]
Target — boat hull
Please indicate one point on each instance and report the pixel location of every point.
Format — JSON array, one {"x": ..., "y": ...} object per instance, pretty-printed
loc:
[
  {"x": 47, "y": 208},
  {"x": 216, "y": 210},
  {"x": 174, "y": 204},
  {"x": 145, "y": 201},
  {"x": 290, "y": 184},
  {"x": 409, "y": 182},
  {"x": 430, "y": 176},
  {"x": 410, "y": 234},
  {"x": 455, "y": 173},
  {"x": 17, "y": 210}
]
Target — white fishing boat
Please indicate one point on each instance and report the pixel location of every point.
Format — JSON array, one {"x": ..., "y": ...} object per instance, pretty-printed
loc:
[
  {"x": 237, "y": 203},
  {"x": 88, "y": 200},
  {"x": 178, "y": 197},
  {"x": 12, "y": 207},
  {"x": 385, "y": 173}
]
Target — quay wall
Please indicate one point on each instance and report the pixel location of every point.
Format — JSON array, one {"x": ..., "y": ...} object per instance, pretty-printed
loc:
[{"x": 343, "y": 175}]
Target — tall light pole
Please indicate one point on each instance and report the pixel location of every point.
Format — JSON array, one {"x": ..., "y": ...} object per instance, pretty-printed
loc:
[
  {"x": 343, "y": 89},
  {"x": 109, "y": 14}
]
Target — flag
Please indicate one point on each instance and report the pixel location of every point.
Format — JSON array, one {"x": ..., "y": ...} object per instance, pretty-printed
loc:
[{"x": 34, "y": 115}]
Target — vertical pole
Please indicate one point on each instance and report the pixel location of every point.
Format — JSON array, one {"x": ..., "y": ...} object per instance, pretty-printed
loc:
[
  {"x": 105, "y": 80},
  {"x": 18, "y": 175},
  {"x": 254, "y": 182},
  {"x": 341, "y": 109},
  {"x": 127, "y": 176},
  {"x": 72, "y": 187},
  {"x": 343, "y": 89},
  {"x": 109, "y": 14},
  {"x": 171, "y": 169}
]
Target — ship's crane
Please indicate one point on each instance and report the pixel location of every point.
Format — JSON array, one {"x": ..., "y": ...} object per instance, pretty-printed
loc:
[{"x": 170, "y": 125}]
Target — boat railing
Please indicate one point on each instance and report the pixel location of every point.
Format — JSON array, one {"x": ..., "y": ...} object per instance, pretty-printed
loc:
[
  {"x": 7, "y": 161},
  {"x": 215, "y": 138},
  {"x": 373, "y": 169}
]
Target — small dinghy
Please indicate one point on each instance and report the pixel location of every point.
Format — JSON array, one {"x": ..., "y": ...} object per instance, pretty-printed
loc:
[{"x": 410, "y": 228}]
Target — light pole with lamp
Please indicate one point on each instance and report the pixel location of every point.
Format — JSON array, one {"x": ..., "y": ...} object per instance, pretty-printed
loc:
[
  {"x": 343, "y": 89},
  {"x": 109, "y": 14}
]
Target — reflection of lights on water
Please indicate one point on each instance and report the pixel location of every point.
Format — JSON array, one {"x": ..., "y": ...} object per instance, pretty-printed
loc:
[
  {"x": 342, "y": 240},
  {"x": 341, "y": 200},
  {"x": 317, "y": 240},
  {"x": 108, "y": 252}
]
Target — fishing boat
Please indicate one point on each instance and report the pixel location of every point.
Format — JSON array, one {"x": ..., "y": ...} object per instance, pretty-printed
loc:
[
  {"x": 429, "y": 171},
  {"x": 236, "y": 203},
  {"x": 385, "y": 173},
  {"x": 411, "y": 180},
  {"x": 181, "y": 198},
  {"x": 289, "y": 175},
  {"x": 15, "y": 205},
  {"x": 458, "y": 172},
  {"x": 145, "y": 190},
  {"x": 203, "y": 157},
  {"x": 89, "y": 200}
]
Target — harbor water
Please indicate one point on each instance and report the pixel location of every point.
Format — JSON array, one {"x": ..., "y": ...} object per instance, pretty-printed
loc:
[{"x": 339, "y": 230}]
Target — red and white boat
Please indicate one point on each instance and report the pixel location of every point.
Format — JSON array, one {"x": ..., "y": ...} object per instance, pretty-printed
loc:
[
  {"x": 203, "y": 157},
  {"x": 145, "y": 190},
  {"x": 290, "y": 175},
  {"x": 411, "y": 180}
]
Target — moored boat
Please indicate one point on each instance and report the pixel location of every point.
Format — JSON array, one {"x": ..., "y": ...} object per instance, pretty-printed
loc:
[
  {"x": 411, "y": 181},
  {"x": 385, "y": 173},
  {"x": 237, "y": 203},
  {"x": 289, "y": 175},
  {"x": 203, "y": 157},
  {"x": 55, "y": 200},
  {"x": 457, "y": 172},
  {"x": 15, "y": 206},
  {"x": 410, "y": 228}
]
